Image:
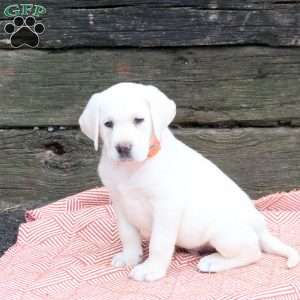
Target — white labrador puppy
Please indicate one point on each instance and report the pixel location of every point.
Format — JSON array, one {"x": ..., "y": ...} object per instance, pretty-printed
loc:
[{"x": 166, "y": 192}]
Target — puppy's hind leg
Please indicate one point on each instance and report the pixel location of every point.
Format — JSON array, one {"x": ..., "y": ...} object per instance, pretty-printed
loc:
[
  {"x": 235, "y": 248},
  {"x": 271, "y": 244}
]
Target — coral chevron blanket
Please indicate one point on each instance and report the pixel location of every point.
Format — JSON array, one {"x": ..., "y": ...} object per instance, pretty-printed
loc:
[{"x": 63, "y": 252}]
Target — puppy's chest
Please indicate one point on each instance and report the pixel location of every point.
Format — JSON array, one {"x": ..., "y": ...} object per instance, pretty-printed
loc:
[
  {"x": 138, "y": 208},
  {"x": 132, "y": 197}
]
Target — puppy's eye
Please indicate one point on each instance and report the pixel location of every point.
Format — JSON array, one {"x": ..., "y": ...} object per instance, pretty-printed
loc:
[
  {"x": 138, "y": 121},
  {"x": 109, "y": 124}
]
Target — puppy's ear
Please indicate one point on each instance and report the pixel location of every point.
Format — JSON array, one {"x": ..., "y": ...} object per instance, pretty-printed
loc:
[
  {"x": 89, "y": 120},
  {"x": 162, "y": 109}
]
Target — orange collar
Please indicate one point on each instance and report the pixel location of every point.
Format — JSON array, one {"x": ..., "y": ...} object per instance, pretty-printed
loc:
[{"x": 154, "y": 148}]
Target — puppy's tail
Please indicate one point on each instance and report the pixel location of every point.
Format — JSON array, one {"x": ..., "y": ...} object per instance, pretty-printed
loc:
[{"x": 271, "y": 244}]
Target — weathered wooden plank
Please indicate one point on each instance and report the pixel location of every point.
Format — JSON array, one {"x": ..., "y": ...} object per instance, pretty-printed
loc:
[
  {"x": 239, "y": 85},
  {"x": 204, "y": 4},
  {"x": 166, "y": 23},
  {"x": 9, "y": 223},
  {"x": 37, "y": 166}
]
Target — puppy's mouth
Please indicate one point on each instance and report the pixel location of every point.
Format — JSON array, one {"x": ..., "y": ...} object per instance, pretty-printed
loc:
[
  {"x": 129, "y": 160},
  {"x": 126, "y": 159}
]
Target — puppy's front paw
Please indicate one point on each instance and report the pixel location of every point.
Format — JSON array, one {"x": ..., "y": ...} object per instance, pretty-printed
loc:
[
  {"x": 147, "y": 271},
  {"x": 123, "y": 259}
]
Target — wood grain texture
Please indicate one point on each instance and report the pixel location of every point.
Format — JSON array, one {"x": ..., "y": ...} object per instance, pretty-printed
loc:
[
  {"x": 37, "y": 166},
  {"x": 10, "y": 219},
  {"x": 251, "y": 86},
  {"x": 166, "y": 23}
]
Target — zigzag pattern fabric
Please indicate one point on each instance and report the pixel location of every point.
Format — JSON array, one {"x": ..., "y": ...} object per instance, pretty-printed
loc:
[{"x": 63, "y": 252}]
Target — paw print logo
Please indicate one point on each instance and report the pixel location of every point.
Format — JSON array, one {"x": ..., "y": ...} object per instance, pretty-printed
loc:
[{"x": 24, "y": 32}]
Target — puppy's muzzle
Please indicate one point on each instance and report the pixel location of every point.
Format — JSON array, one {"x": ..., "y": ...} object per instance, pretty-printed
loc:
[{"x": 124, "y": 150}]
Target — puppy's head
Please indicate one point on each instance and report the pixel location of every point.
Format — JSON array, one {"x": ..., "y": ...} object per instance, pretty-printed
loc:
[{"x": 127, "y": 117}]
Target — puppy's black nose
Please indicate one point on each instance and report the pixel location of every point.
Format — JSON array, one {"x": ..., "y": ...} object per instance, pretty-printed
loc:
[{"x": 124, "y": 150}]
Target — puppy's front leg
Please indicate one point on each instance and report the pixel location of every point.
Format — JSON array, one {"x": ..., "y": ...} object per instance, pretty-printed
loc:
[
  {"x": 132, "y": 251},
  {"x": 162, "y": 245}
]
